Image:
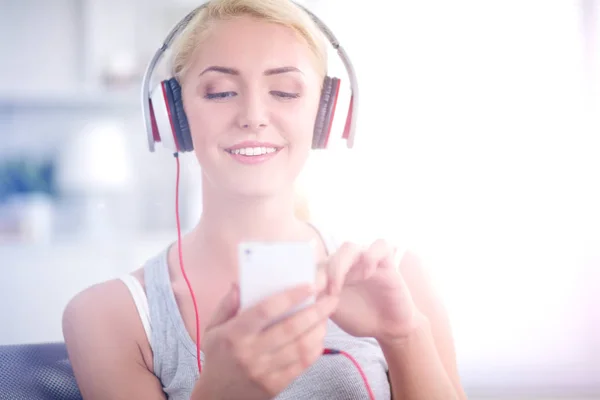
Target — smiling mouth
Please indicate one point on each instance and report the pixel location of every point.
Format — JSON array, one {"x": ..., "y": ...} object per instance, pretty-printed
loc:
[{"x": 253, "y": 151}]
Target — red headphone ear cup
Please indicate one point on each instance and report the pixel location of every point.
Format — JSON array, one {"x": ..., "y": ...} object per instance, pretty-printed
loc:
[
  {"x": 327, "y": 105},
  {"x": 155, "y": 133},
  {"x": 167, "y": 115},
  {"x": 162, "y": 123}
]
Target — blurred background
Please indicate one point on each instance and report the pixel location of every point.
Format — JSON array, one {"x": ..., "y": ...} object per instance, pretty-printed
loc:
[{"x": 478, "y": 145}]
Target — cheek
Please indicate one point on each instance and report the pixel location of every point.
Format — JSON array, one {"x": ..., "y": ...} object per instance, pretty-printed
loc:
[
  {"x": 300, "y": 122},
  {"x": 205, "y": 121}
]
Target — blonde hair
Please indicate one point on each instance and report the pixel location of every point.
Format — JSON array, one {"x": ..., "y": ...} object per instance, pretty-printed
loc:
[{"x": 283, "y": 12}]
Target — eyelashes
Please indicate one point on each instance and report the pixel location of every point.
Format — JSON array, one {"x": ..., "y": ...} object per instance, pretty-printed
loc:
[
  {"x": 285, "y": 95},
  {"x": 219, "y": 95},
  {"x": 226, "y": 95}
]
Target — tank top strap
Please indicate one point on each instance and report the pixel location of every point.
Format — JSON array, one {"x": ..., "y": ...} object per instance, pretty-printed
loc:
[
  {"x": 330, "y": 240},
  {"x": 141, "y": 302}
]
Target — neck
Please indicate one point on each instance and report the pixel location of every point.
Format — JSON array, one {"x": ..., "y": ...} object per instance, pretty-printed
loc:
[{"x": 227, "y": 220}]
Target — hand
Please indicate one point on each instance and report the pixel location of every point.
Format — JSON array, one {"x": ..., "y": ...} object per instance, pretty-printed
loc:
[
  {"x": 249, "y": 357},
  {"x": 374, "y": 299}
]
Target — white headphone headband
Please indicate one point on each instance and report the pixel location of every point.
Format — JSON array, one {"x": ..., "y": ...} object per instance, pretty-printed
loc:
[{"x": 186, "y": 20}]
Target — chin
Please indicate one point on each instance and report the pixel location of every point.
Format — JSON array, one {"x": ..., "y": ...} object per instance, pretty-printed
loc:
[{"x": 271, "y": 179}]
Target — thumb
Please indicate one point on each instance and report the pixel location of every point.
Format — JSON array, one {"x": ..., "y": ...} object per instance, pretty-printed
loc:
[
  {"x": 322, "y": 280},
  {"x": 227, "y": 308}
]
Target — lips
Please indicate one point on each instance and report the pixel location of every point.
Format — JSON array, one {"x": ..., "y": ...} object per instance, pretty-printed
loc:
[
  {"x": 253, "y": 144},
  {"x": 253, "y": 152}
]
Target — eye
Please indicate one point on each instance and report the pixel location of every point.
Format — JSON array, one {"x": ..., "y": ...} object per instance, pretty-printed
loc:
[
  {"x": 285, "y": 95},
  {"x": 219, "y": 95}
]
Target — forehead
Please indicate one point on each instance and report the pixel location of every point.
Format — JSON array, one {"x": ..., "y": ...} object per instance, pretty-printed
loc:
[{"x": 249, "y": 43}]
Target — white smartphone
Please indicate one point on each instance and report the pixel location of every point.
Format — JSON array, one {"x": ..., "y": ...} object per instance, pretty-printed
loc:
[{"x": 267, "y": 268}]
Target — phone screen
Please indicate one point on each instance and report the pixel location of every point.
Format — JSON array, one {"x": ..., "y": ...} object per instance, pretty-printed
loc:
[{"x": 270, "y": 268}]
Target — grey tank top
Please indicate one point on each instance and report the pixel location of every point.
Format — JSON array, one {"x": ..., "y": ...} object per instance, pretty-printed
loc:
[{"x": 332, "y": 377}]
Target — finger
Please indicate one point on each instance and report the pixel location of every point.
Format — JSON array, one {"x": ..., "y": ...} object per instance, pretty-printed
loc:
[
  {"x": 291, "y": 328},
  {"x": 399, "y": 254},
  {"x": 340, "y": 264},
  {"x": 257, "y": 317},
  {"x": 321, "y": 280},
  {"x": 304, "y": 349},
  {"x": 380, "y": 253},
  {"x": 389, "y": 256},
  {"x": 227, "y": 308}
]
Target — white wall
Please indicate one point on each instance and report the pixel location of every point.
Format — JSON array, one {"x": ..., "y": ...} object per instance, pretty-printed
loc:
[
  {"x": 38, "y": 281},
  {"x": 66, "y": 45},
  {"x": 475, "y": 145},
  {"x": 39, "y": 45}
]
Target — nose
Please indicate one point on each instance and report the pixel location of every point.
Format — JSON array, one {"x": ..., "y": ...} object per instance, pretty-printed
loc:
[{"x": 253, "y": 113}]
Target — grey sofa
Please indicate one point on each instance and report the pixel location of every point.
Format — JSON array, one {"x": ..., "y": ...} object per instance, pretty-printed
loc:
[{"x": 36, "y": 372}]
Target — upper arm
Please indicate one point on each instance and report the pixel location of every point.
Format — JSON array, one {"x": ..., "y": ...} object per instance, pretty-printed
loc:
[
  {"x": 429, "y": 304},
  {"x": 101, "y": 338}
]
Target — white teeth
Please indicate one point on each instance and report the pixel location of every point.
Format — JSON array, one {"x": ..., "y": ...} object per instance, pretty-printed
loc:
[{"x": 253, "y": 151}]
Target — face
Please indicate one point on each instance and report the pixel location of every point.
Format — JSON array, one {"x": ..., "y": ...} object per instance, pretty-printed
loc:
[{"x": 251, "y": 96}]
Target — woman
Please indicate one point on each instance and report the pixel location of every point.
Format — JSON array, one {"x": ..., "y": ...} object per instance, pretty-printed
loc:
[{"x": 383, "y": 314}]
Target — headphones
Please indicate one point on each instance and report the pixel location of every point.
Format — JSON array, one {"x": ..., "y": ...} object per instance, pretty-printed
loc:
[{"x": 166, "y": 122}]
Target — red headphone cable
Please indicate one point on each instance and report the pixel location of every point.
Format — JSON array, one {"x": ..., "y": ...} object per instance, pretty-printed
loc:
[
  {"x": 187, "y": 281},
  {"x": 180, "y": 251},
  {"x": 357, "y": 365}
]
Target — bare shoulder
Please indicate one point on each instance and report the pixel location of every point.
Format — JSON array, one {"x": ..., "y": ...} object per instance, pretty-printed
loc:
[
  {"x": 413, "y": 270},
  {"x": 430, "y": 304},
  {"x": 423, "y": 292},
  {"x": 100, "y": 306},
  {"x": 105, "y": 341}
]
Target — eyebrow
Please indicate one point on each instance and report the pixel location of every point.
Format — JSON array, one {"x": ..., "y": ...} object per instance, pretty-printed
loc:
[
  {"x": 233, "y": 71},
  {"x": 281, "y": 70}
]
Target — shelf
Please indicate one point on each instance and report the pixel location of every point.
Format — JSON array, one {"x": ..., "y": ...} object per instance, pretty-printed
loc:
[{"x": 126, "y": 100}]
